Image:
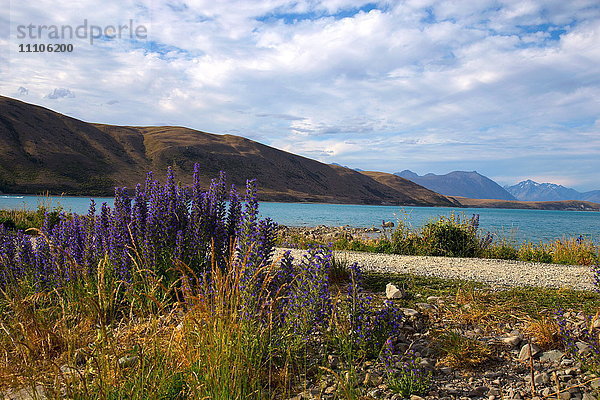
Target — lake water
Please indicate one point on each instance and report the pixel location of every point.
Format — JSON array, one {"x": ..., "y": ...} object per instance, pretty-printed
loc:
[{"x": 519, "y": 225}]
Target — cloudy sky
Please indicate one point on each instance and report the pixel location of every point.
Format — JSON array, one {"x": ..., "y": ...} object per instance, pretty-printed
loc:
[{"x": 508, "y": 88}]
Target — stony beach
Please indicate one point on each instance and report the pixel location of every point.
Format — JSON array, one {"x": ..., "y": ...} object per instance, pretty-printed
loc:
[{"x": 506, "y": 273}]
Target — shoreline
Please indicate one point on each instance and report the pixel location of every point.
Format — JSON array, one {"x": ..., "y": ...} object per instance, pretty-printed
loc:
[{"x": 460, "y": 203}]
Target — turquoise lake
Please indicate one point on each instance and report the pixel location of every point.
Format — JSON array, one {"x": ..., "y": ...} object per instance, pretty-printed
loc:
[{"x": 518, "y": 225}]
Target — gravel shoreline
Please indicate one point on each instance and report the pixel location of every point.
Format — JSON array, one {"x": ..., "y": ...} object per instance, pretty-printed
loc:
[{"x": 506, "y": 273}]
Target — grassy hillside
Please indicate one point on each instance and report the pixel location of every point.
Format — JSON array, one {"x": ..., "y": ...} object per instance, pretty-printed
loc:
[{"x": 46, "y": 151}]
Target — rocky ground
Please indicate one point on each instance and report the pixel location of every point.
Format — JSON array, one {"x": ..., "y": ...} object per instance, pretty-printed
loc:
[
  {"x": 471, "y": 350},
  {"x": 513, "y": 357},
  {"x": 326, "y": 234},
  {"x": 501, "y": 364},
  {"x": 489, "y": 358}
]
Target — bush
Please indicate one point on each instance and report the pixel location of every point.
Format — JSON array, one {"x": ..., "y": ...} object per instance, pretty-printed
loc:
[
  {"x": 24, "y": 220},
  {"x": 405, "y": 242},
  {"x": 450, "y": 236},
  {"x": 530, "y": 252},
  {"x": 574, "y": 251},
  {"x": 358, "y": 245},
  {"x": 456, "y": 236},
  {"x": 383, "y": 246},
  {"x": 502, "y": 250}
]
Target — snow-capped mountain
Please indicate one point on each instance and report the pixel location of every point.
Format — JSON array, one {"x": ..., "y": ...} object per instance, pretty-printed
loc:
[{"x": 533, "y": 191}]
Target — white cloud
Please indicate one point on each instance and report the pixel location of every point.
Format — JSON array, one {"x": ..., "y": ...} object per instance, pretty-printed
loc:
[
  {"x": 466, "y": 85},
  {"x": 59, "y": 93}
]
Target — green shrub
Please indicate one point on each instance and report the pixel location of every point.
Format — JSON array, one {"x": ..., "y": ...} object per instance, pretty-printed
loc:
[
  {"x": 27, "y": 219},
  {"x": 404, "y": 241},
  {"x": 358, "y": 245},
  {"x": 534, "y": 253},
  {"x": 409, "y": 382},
  {"x": 502, "y": 251},
  {"x": 383, "y": 246},
  {"x": 451, "y": 236}
]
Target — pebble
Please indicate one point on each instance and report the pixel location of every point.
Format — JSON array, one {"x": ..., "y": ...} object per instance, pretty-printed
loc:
[
  {"x": 333, "y": 361},
  {"x": 478, "y": 391},
  {"x": 528, "y": 350},
  {"x": 128, "y": 361},
  {"x": 393, "y": 292},
  {"x": 583, "y": 348},
  {"x": 425, "y": 306},
  {"x": 35, "y": 393},
  {"x": 511, "y": 340},
  {"x": 539, "y": 378},
  {"x": 553, "y": 356},
  {"x": 409, "y": 312}
]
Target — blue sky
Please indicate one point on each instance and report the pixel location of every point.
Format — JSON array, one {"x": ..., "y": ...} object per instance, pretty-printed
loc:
[{"x": 508, "y": 88}]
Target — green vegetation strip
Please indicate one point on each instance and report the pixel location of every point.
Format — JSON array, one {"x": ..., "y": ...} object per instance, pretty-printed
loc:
[
  {"x": 528, "y": 300},
  {"x": 456, "y": 236}
]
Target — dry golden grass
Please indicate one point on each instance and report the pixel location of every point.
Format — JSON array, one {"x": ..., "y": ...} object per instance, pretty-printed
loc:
[
  {"x": 461, "y": 352},
  {"x": 544, "y": 331},
  {"x": 473, "y": 308},
  {"x": 82, "y": 347},
  {"x": 574, "y": 251}
]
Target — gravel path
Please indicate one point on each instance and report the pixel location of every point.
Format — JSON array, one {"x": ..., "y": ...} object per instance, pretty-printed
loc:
[{"x": 494, "y": 272}]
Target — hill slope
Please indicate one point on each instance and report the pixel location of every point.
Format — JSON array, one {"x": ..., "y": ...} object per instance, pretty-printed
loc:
[
  {"x": 41, "y": 150},
  {"x": 593, "y": 195},
  {"x": 401, "y": 185},
  {"x": 460, "y": 183}
]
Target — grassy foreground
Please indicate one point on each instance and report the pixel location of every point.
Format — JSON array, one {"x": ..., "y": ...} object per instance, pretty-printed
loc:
[
  {"x": 174, "y": 294},
  {"x": 95, "y": 341}
]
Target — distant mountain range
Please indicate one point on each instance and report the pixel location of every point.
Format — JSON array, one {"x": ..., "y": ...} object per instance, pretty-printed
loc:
[
  {"x": 532, "y": 191},
  {"x": 42, "y": 150},
  {"x": 460, "y": 183}
]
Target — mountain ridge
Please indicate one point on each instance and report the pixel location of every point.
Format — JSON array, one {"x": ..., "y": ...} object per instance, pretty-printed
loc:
[
  {"x": 42, "y": 150},
  {"x": 469, "y": 184},
  {"x": 530, "y": 190}
]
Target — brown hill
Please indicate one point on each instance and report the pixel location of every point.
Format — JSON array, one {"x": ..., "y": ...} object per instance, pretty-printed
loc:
[
  {"x": 566, "y": 205},
  {"x": 41, "y": 150},
  {"x": 403, "y": 186}
]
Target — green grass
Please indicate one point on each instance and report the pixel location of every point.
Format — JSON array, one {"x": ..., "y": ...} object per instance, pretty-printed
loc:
[
  {"x": 417, "y": 284},
  {"x": 526, "y": 300},
  {"x": 23, "y": 219}
]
